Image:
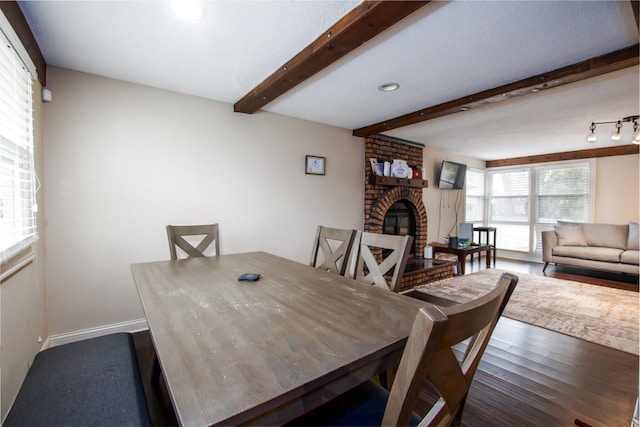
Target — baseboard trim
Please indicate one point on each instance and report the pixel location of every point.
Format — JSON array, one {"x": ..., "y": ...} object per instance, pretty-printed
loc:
[{"x": 130, "y": 326}]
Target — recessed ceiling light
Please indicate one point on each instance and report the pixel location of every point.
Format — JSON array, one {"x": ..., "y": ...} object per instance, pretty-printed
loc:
[
  {"x": 187, "y": 9},
  {"x": 388, "y": 87}
]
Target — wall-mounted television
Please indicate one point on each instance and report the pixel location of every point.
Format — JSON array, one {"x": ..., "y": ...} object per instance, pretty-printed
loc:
[{"x": 452, "y": 175}]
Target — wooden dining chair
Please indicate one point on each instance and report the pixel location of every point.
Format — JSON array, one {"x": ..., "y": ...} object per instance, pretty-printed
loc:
[
  {"x": 379, "y": 255},
  {"x": 429, "y": 361},
  {"x": 209, "y": 234},
  {"x": 332, "y": 249}
]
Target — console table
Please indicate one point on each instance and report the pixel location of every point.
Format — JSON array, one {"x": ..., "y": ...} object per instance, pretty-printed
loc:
[{"x": 462, "y": 253}]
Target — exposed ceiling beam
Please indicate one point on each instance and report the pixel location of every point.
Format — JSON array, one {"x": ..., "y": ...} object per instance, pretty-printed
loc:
[
  {"x": 367, "y": 20},
  {"x": 619, "y": 150},
  {"x": 18, "y": 22},
  {"x": 593, "y": 67}
]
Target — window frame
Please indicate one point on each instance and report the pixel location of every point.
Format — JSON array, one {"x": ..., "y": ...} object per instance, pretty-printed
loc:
[{"x": 19, "y": 231}]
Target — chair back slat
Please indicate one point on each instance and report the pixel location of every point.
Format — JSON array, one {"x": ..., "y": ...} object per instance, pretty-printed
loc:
[
  {"x": 385, "y": 267},
  {"x": 332, "y": 249},
  {"x": 209, "y": 234}
]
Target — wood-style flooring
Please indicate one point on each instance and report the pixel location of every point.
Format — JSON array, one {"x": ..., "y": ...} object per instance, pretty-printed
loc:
[{"x": 528, "y": 376}]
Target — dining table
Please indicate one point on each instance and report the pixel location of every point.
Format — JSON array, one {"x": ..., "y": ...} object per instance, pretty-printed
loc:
[{"x": 264, "y": 352}]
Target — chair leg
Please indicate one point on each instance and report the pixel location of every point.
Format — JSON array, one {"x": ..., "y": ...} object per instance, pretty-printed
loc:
[{"x": 545, "y": 266}]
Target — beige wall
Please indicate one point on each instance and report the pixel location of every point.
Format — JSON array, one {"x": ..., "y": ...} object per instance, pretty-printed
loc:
[
  {"x": 617, "y": 189},
  {"x": 124, "y": 160},
  {"x": 445, "y": 208}
]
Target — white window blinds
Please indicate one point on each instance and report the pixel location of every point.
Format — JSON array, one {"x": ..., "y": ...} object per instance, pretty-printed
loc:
[
  {"x": 474, "y": 185},
  {"x": 17, "y": 174},
  {"x": 563, "y": 193}
]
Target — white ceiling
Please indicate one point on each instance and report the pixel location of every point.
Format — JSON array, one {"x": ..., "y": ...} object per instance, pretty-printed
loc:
[{"x": 444, "y": 51}]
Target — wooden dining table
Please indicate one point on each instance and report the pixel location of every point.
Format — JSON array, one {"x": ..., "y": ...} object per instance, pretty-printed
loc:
[{"x": 265, "y": 352}]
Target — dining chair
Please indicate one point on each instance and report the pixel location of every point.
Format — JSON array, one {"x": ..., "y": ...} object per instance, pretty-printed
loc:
[
  {"x": 429, "y": 361},
  {"x": 332, "y": 249},
  {"x": 378, "y": 255},
  {"x": 208, "y": 232}
]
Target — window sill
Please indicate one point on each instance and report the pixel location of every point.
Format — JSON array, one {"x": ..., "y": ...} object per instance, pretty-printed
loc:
[{"x": 17, "y": 262}]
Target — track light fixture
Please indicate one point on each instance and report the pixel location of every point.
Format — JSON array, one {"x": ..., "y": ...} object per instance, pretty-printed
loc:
[{"x": 617, "y": 135}]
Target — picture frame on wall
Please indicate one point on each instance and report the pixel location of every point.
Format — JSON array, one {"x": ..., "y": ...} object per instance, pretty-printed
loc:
[{"x": 314, "y": 165}]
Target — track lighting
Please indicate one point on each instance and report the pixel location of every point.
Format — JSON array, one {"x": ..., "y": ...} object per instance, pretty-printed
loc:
[{"x": 617, "y": 135}]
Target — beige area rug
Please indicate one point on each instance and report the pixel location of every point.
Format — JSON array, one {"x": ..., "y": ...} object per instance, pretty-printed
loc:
[{"x": 593, "y": 313}]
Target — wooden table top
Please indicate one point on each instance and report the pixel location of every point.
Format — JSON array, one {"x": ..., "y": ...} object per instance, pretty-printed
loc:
[
  {"x": 235, "y": 352},
  {"x": 444, "y": 247}
]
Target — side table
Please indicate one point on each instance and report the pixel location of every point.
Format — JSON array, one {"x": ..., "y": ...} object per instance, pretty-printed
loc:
[
  {"x": 462, "y": 252},
  {"x": 486, "y": 231}
]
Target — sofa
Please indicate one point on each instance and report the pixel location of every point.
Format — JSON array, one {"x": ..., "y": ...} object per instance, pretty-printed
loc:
[{"x": 609, "y": 247}]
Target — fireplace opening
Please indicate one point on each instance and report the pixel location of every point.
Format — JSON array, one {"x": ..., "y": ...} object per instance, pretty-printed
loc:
[{"x": 401, "y": 221}]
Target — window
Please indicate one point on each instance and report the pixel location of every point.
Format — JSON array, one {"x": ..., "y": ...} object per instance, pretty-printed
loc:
[
  {"x": 509, "y": 203},
  {"x": 474, "y": 185},
  {"x": 524, "y": 201},
  {"x": 563, "y": 193},
  {"x": 17, "y": 175}
]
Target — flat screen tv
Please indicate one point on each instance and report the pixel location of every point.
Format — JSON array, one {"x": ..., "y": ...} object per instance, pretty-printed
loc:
[{"x": 452, "y": 175}]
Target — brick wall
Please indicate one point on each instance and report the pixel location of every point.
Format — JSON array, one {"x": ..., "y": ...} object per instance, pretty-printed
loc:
[{"x": 379, "y": 198}]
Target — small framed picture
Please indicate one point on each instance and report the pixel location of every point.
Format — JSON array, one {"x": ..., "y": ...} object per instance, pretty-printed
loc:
[{"x": 314, "y": 165}]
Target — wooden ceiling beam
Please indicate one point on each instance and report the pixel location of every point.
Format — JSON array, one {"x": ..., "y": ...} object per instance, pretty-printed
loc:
[
  {"x": 619, "y": 150},
  {"x": 18, "y": 22},
  {"x": 366, "y": 21},
  {"x": 613, "y": 61}
]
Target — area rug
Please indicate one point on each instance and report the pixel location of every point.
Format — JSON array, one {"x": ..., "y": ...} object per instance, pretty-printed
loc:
[{"x": 598, "y": 314}]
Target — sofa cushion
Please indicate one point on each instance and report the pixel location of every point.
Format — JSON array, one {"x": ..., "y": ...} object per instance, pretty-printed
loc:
[
  {"x": 630, "y": 256},
  {"x": 634, "y": 236},
  {"x": 570, "y": 236},
  {"x": 589, "y": 252},
  {"x": 606, "y": 235}
]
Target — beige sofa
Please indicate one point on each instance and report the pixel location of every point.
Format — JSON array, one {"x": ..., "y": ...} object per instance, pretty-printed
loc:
[{"x": 608, "y": 247}]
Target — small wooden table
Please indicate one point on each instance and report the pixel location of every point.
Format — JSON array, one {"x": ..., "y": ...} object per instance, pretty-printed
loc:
[
  {"x": 265, "y": 352},
  {"x": 486, "y": 231},
  {"x": 462, "y": 253}
]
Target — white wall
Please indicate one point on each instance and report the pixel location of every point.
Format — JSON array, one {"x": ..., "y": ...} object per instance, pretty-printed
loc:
[{"x": 124, "y": 160}]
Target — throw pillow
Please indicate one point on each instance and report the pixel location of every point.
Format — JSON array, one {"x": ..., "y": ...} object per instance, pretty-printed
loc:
[
  {"x": 570, "y": 236},
  {"x": 634, "y": 236}
]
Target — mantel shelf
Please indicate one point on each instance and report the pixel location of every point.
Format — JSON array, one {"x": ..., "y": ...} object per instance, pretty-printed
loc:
[{"x": 397, "y": 182}]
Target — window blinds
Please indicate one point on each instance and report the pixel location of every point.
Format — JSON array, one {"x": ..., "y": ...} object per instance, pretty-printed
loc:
[
  {"x": 563, "y": 193},
  {"x": 17, "y": 174},
  {"x": 474, "y": 185}
]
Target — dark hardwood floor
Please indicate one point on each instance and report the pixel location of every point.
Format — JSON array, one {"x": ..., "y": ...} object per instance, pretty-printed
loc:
[{"x": 528, "y": 376}]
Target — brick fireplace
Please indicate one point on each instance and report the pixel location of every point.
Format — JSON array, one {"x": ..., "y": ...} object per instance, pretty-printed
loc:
[{"x": 380, "y": 199}]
